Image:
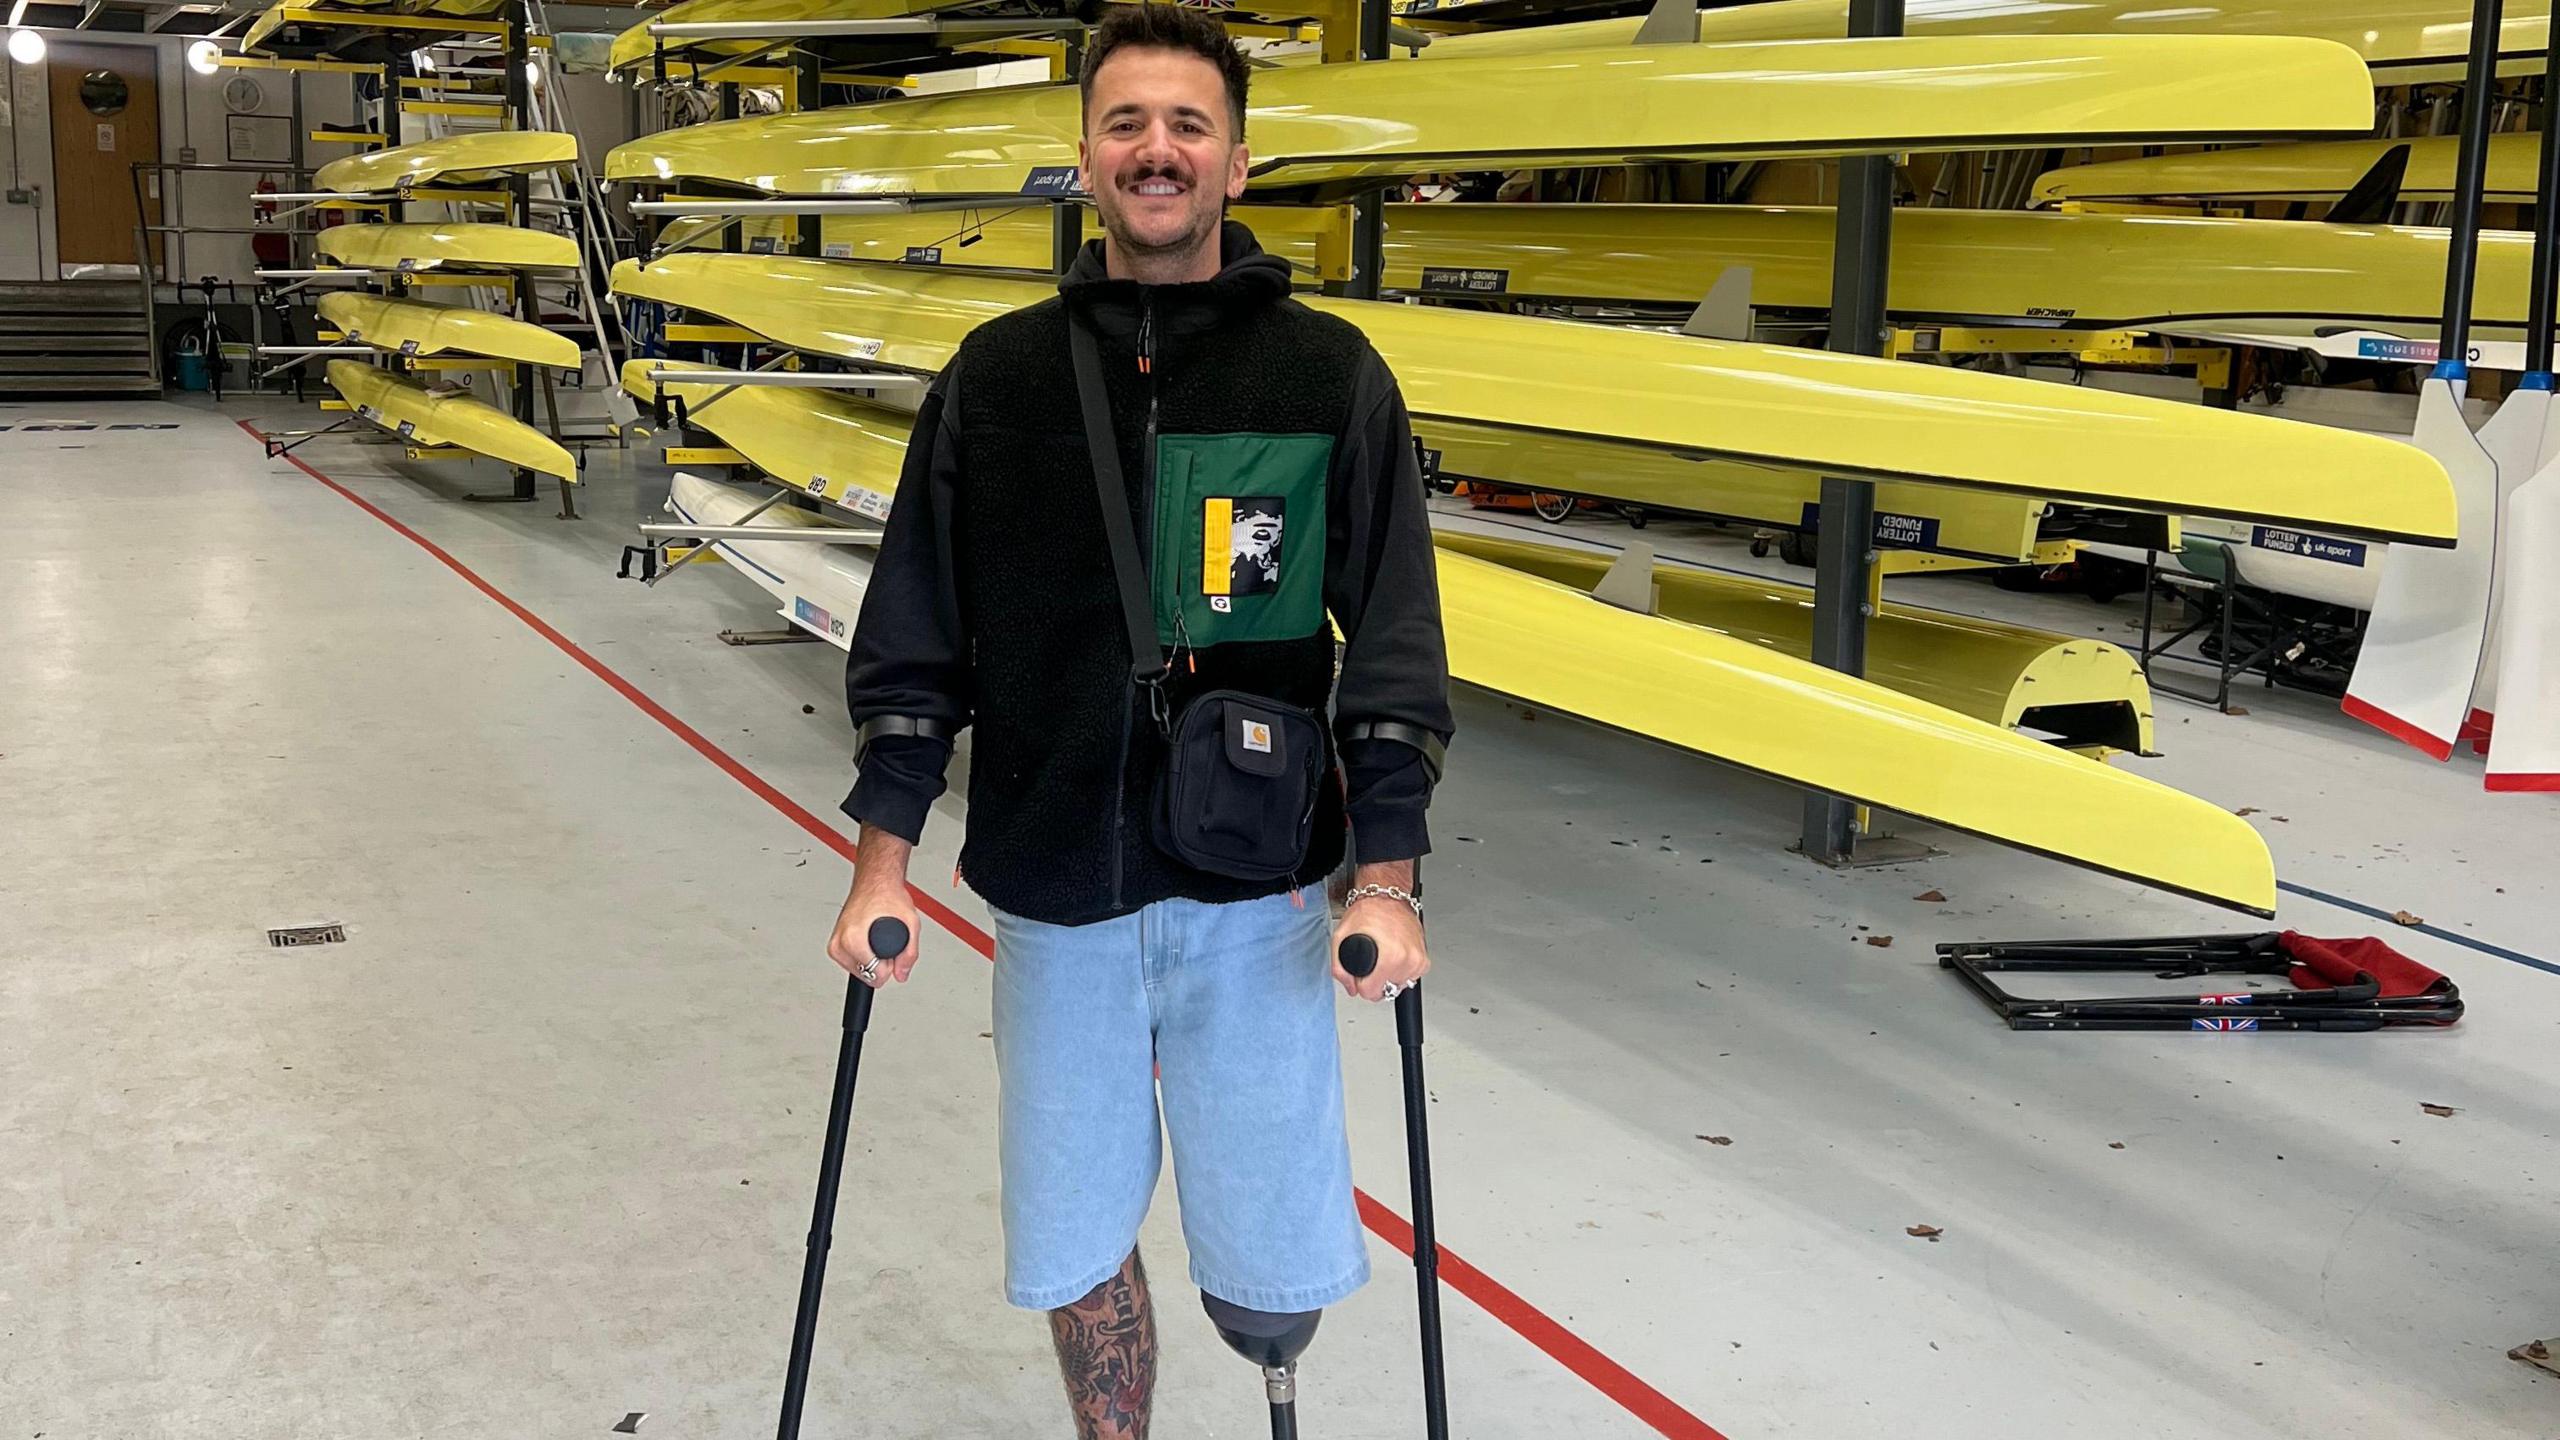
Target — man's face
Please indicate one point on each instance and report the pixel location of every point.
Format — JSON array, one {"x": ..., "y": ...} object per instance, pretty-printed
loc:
[{"x": 1160, "y": 154}]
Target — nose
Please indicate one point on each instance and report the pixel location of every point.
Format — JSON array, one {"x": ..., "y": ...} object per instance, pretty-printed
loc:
[{"x": 1156, "y": 146}]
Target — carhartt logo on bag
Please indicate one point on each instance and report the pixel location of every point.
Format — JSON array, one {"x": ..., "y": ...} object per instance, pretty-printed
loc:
[{"x": 1257, "y": 737}]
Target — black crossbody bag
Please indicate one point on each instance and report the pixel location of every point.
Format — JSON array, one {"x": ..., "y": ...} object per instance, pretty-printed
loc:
[{"x": 1237, "y": 795}]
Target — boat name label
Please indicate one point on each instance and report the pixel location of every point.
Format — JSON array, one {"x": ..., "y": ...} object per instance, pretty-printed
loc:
[
  {"x": 409, "y": 346},
  {"x": 1466, "y": 281},
  {"x": 1051, "y": 180},
  {"x": 762, "y": 244},
  {"x": 2308, "y": 546},
  {"x": 924, "y": 255},
  {"x": 837, "y": 250},
  {"x": 816, "y": 618},
  {"x": 2416, "y": 352},
  {"x": 868, "y": 502}
]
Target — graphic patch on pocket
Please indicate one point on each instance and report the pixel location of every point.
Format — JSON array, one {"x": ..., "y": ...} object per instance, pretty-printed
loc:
[{"x": 1240, "y": 545}]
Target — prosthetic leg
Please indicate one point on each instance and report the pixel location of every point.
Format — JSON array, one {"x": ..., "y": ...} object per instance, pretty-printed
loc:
[{"x": 1274, "y": 1342}]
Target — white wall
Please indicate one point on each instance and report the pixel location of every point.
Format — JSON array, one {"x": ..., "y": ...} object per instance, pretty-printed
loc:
[{"x": 191, "y": 116}]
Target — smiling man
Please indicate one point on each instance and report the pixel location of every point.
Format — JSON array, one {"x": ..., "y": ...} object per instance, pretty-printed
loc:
[
  {"x": 1270, "y": 482},
  {"x": 1160, "y": 967}
]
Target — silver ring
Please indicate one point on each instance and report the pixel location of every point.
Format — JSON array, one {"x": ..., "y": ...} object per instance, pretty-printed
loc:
[
  {"x": 866, "y": 972},
  {"x": 1390, "y": 990}
]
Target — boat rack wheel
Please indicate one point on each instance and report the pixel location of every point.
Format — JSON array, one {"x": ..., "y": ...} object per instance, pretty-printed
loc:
[{"x": 1554, "y": 509}]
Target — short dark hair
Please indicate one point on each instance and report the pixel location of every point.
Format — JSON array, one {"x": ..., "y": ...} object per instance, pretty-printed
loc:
[{"x": 1154, "y": 26}]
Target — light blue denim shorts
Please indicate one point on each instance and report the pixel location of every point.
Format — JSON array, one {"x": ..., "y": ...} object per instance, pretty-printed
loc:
[{"x": 1233, "y": 1005}]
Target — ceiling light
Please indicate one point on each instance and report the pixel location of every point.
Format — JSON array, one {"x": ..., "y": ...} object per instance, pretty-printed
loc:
[
  {"x": 204, "y": 57},
  {"x": 26, "y": 47}
]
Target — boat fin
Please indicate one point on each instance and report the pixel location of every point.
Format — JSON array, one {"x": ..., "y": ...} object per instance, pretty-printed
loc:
[
  {"x": 1726, "y": 312},
  {"x": 1669, "y": 22},
  {"x": 1629, "y": 583},
  {"x": 2369, "y": 200}
]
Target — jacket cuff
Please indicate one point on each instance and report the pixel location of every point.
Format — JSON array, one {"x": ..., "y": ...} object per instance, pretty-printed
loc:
[
  {"x": 901, "y": 778},
  {"x": 1380, "y": 833}
]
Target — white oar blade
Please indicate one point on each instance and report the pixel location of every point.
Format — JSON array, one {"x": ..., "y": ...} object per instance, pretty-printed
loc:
[
  {"x": 2524, "y": 751},
  {"x": 2522, "y": 445},
  {"x": 2431, "y": 611}
]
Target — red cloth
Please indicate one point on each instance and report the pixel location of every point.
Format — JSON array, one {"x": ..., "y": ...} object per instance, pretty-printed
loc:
[{"x": 2324, "y": 964}]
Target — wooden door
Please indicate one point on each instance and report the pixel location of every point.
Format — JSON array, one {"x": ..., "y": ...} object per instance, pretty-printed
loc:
[{"x": 106, "y": 115}]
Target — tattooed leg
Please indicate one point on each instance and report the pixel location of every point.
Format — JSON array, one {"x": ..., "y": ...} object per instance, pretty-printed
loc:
[{"x": 1107, "y": 1348}]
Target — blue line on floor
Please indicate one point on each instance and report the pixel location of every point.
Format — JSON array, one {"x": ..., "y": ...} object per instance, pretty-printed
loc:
[{"x": 2465, "y": 941}]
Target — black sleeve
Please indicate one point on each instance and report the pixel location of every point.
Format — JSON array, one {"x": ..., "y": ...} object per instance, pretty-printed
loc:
[
  {"x": 907, "y": 682},
  {"x": 1383, "y": 587}
]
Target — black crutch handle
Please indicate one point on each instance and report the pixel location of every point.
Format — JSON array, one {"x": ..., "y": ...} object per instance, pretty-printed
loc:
[
  {"x": 888, "y": 939},
  {"x": 1359, "y": 956}
]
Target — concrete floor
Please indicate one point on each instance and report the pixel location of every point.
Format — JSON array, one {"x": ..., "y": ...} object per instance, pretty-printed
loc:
[{"x": 533, "y": 1148}]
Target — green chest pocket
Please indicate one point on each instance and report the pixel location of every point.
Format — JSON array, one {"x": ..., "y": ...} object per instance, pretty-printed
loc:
[{"x": 1240, "y": 537}]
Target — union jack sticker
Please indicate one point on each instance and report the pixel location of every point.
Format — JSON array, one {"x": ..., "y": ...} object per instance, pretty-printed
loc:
[
  {"x": 2222, "y": 1024},
  {"x": 2242, "y": 999}
]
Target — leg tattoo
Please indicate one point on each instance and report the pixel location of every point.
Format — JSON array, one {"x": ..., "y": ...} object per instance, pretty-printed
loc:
[{"x": 1107, "y": 1348}]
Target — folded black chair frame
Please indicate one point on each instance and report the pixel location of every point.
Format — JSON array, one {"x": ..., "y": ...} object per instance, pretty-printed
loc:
[{"x": 2355, "y": 1006}]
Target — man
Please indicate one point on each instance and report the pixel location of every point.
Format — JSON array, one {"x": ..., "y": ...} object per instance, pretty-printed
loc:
[{"x": 994, "y": 604}]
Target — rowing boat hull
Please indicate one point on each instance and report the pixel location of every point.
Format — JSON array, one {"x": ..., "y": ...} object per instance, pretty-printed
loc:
[
  {"x": 2405, "y": 40},
  {"x": 415, "y": 327},
  {"x": 1317, "y": 125},
  {"x": 2317, "y": 172},
  {"x": 460, "y": 245},
  {"x": 823, "y": 443},
  {"x": 462, "y": 159},
  {"x": 411, "y": 411},
  {"x": 1764, "y": 406},
  {"x": 1727, "y": 699}
]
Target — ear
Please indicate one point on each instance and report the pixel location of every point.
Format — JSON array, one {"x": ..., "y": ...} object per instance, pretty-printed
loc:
[
  {"x": 1239, "y": 161},
  {"x": 1084, "y": 166}
]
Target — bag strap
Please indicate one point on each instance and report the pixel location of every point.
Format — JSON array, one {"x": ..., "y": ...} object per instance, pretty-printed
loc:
[{"x": 1147, "y": 664}]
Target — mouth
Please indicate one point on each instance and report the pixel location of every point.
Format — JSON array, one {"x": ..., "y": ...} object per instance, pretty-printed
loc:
[{"x": 1157, "y": 187}]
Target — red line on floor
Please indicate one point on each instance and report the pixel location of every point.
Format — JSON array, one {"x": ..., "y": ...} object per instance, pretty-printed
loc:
[{"x": 1524, "y": 1319}]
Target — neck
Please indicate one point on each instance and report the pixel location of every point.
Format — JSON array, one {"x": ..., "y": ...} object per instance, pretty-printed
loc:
[{"x": 1162, "y": 267}]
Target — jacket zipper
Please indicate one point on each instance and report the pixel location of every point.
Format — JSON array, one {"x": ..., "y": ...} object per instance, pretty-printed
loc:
[{"x": 1147, "y": 489}]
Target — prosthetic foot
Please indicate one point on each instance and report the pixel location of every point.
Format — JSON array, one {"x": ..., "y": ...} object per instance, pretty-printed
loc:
[{"x": 1273, "y": 1342}]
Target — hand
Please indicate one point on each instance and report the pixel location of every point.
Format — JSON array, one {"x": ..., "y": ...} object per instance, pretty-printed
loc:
[
  {"x": 879, "y": 892},
  {"x": 1402, "y": 956}
]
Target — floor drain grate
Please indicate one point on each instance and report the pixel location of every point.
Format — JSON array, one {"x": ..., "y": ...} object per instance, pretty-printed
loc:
[{"x": 292, "y": 935}]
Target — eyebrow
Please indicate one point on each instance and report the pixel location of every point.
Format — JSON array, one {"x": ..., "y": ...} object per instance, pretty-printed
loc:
[{"x": 1129, "y": 107}]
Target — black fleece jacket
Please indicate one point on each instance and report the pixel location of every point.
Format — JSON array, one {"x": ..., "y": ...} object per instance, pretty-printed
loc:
[{"x": 1253, "y": 431}]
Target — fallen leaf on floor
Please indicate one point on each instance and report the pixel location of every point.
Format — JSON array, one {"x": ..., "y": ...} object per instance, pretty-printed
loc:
[
  {"x": 2237, "y": 710},
  {"x": 808, "y": 709},
  {"x": 1587, "y": 1225},
  {"x": 631, "y": 1423},
  {"x": 1923, "y": 1232},
  {"x": 1881, "y": 942},
  {"x": 1931, "y": 897},
  {"x": 986, "y": 1034},
  {"x": 2281, "y": 819},
  {"x": 2403, "y": 917},
  {"x": 1717, "y": 1139},
  {"x": 2115, "y": 1144},
  {"x": 2439, "y": 1111},
  {"x": 2246, "y": 810}
]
